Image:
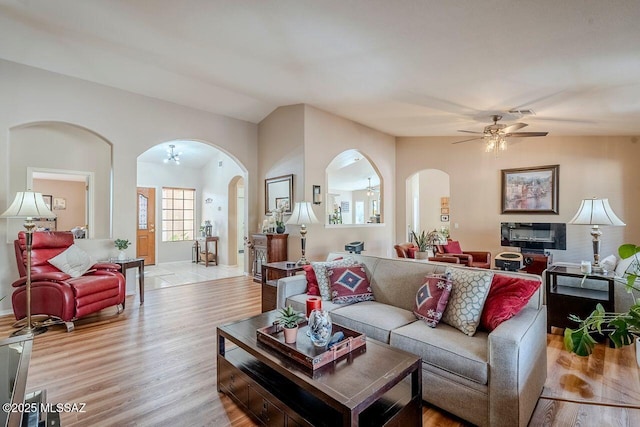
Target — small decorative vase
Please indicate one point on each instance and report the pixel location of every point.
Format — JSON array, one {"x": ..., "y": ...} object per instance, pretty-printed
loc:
[
  {"x": 290, "y": 335},
  {"x": 320, "y": 327},
  {"x": 122, "y": 255},
  {"x": 280, "y": 228}
]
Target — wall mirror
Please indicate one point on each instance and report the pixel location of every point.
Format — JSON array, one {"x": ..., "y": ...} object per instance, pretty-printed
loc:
[
  {"x": 354, "y": 190},
  {"x": 278, "y": 192}
]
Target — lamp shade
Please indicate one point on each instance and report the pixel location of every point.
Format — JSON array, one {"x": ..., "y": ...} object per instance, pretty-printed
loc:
[
  {"x": 596, "y": 212},
  {"x": 28, "y": 204},
  {"x": 302, "y": 214}
]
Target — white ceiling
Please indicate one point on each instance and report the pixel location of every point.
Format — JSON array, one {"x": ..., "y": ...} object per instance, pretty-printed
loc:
[{"x": 405, "y": 67}]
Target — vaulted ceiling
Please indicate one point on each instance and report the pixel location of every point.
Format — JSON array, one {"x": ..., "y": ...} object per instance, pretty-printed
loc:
[{"x": 405, "y": 67}]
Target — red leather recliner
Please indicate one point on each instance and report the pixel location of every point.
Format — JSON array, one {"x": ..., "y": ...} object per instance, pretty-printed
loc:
[{"x": 55, "y": 293}]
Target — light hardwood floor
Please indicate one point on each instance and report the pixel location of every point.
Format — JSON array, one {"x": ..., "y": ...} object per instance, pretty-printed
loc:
[{"x": 156, "y": 365}]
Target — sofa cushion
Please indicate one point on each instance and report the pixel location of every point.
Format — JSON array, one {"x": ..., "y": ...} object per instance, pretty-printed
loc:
[
  {"x": 320, "y": 269},
  {"x": 446, "y": 348},
  {"x": 432, "y": 298},
  {"x": 507, "y": 296},
  {"x": 349, "y": 284},
  {"x": 374, "y": 319},
  {"x": 312, "y": 281},
  {"x": 73, "y": 261},
  {"x": 470, "y": 289}
]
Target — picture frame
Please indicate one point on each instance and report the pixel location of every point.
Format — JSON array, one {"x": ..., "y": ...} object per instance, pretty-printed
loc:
[
  {"x": 48, "y": 200},
  {"x": 59, "y": 203},
  {"x": 280, "y": 187},
  {"x": 444, "y": 218},
  {"x": 444, "y": 211},
  {"x": 530, "y": 190}
]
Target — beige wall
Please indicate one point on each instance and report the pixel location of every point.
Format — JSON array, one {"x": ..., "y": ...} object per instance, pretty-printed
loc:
[{"x": 589, "y": 167}]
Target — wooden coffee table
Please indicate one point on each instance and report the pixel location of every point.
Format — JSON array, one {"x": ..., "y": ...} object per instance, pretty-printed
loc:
[{"x": 374, "y": 385}]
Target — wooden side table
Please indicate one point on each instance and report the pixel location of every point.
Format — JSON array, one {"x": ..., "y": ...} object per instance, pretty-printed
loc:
[
  {"x": 271, "y": 272},
  {"x": 133, "y": 263},
  {"x": 198, "y": 246},
  {"x": 563, "y": 300}
]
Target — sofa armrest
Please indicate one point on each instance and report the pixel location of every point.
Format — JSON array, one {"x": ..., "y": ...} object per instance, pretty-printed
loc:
[
  {"x": 517, "y": 367},
  {"x": 479, "y": 256},
  {"x": 288, "y": 286}
]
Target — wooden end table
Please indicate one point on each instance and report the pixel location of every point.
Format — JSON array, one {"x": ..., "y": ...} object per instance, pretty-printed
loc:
[
  {"x": 271, "y": 272},
  {"x": 133, "y": 263}
]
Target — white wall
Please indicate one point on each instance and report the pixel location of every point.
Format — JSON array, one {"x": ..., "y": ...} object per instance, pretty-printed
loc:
[{"x": 131, "y": 123}]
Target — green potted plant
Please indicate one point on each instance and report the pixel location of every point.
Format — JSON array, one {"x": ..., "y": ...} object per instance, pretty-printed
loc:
[
  {"x": 289, "y": 318},
  {"x": 621, "y": 328},
  {"x": 122, "y": 245},
  {"x": 422, "y": 241}
]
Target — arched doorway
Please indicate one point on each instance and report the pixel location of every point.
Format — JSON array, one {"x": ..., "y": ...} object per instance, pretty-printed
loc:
[{"x": 427, "y": 195}]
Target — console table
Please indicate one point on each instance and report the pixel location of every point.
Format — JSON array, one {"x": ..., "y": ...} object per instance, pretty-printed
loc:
[
  {"x": 198, "y": 246},
  {"x": 566, "y": 295},
  {"x": 133, "y": 263}
]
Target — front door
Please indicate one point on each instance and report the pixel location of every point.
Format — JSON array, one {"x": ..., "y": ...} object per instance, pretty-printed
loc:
[{"x": 146, "y": 227}]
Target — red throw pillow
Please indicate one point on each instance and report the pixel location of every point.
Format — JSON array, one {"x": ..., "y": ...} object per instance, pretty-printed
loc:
[
  {"x": 507, "y": 296},
  {"x": 349, "y": 284},
  {"x": 411, "y": 252},
  {"x": 432, "y": 298},
  {"x": 453, "y": 247},
  {"x": 312, "y": 281}
]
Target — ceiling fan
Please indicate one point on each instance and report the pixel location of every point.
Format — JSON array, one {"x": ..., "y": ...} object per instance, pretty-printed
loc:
[{"x": 495, "y": 135}]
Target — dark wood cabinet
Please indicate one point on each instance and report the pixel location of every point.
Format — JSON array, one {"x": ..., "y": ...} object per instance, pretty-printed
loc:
[{"x": 267, "y": 248}]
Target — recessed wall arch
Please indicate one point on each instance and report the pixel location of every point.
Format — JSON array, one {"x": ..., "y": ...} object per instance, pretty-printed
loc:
[
  {"x": 355, "y": 190},
  {"x": 64, "y": 149}
]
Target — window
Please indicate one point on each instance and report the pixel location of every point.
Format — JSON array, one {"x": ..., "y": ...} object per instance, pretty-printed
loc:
[{"x": 178, "y": 209}]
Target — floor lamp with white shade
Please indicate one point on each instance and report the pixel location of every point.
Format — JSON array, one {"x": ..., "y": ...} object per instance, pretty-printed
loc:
[
  {"x": 28, "y": 205},
  {"x": 303, "y": 215}
]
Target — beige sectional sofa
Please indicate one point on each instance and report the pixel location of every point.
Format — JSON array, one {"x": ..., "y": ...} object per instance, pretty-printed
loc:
[{"x": 489, "y": 379}]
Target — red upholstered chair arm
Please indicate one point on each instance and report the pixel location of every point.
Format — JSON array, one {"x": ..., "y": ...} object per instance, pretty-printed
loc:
[
  {"x": 480, "y": 256},
  {"x": 464, "y": 258},
  {"x": 444, "y": 258},
  {"x": 109, "y": 266},
  {"x": 58, "y": 276}
]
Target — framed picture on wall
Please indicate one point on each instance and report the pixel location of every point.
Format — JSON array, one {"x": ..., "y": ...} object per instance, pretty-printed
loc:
[
  {"x": 48, "y": 200},
  {"x": 59, "y": 203},
  {"x": 530, "y": 190},
  {"x": 444, "y": 218}
]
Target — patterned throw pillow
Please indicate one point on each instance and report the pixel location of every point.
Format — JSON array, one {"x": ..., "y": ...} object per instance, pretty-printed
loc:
[
  {"x": 432, "y": 298},
  {"x": 73, "y": 261},
  {"x": 507, "y": 296},
  {"x": 470, "y": 289},
  {"x": 349, "y": 284},
  {"x": 323, "y": 278}
]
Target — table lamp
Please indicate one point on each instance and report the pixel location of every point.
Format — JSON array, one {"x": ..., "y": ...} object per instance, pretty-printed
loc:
[
  {"x": 596, "y": 212},
  {"x": 303, "y": 215},
  {"x": 28, "y": 205}
]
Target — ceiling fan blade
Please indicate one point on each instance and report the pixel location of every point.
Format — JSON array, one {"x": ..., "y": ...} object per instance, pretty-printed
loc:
[
  {"x": 526, "y": 134},
  {"x": 467, "y": 140},
  {"x": 471, "y": 131},
  {"x": 513, "y": 127}
]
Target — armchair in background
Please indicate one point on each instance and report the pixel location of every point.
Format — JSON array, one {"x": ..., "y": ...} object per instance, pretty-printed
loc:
[
  {"x": 478, "y": 259},
  {"x": 406, "y": 250}
]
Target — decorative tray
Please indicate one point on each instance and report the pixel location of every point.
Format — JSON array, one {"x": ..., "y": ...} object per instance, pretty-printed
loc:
[{"x": 303, "y": 351}]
